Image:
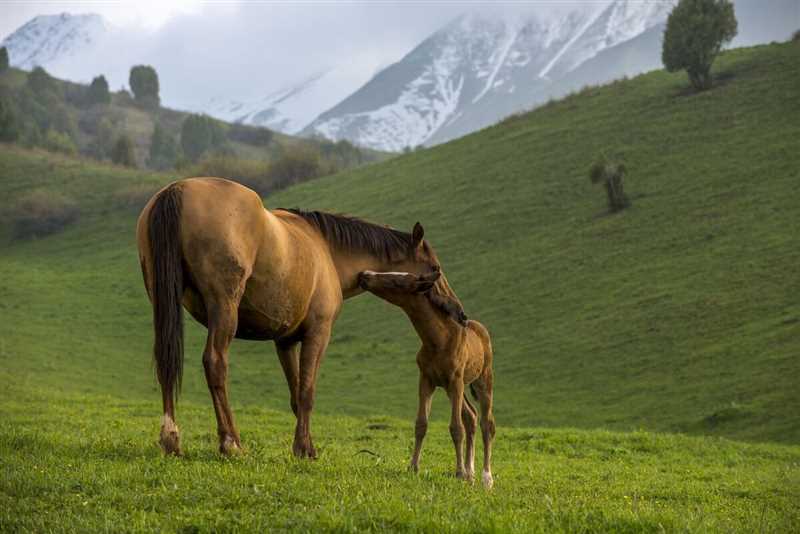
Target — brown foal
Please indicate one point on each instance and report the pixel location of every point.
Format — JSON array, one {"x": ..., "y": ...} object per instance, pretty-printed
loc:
[{"x": 455, "y": 353}]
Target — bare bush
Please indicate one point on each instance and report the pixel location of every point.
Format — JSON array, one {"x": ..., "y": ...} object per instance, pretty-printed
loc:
[{"x": 610, "y": 174}]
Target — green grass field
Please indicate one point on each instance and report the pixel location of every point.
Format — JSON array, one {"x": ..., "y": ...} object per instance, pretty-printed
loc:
[{"x": 613, "y": 335}]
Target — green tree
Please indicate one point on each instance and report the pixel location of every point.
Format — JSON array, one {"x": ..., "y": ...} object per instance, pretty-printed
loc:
[
  {"x": 199, "y": 134},
  {"x": 98, "y": 91},
  {"x": 163, "y": 149},
  {"x": 9, "y": 129},
  {"x": 122, "y": 152},
  {"x": 3, "y": 59},
  {"x": 144, "y": 84},
  {"x": 696, "y": 31},
  {"x": 40, "y": 82}
]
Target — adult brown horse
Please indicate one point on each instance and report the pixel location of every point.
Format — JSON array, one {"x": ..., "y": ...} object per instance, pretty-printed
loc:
[{"x": 209, "y": 245}]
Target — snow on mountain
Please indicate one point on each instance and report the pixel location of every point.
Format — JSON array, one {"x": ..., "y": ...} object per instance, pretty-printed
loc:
[
  {"x": 291, "y": 108},
  {"x": 478, "y": 69},
  {"x": 48, "y": 39}
]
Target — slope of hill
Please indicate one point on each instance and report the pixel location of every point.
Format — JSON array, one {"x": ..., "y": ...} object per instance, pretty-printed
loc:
[{"x": 676, "y": 315}]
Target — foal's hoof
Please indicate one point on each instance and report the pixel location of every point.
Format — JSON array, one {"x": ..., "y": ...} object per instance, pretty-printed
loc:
[
  {"x": 488, "y": 481},
  {"x": 170, "y": 439},
  {"x": 304, "y": 450},
  {"x": 230, "y": 447}
]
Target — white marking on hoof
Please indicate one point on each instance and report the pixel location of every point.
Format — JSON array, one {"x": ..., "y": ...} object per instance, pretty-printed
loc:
[
  {"x": 230, "y": 447},
  {"x": 488, "y": 481},
  {"x": 170, "y": 436}
]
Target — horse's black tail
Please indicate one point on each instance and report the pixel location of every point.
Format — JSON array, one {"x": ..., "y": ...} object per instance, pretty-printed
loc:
[{"x": 164, "y": 232}]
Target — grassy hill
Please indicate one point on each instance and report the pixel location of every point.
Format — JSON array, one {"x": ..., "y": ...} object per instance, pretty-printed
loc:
[{"x": 679, "y": 314}]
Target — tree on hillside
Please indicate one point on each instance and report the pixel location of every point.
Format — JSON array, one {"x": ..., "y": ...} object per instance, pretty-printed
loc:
[
  {"x": 122, "y": 153},
  {"x": 9, "y": 130},
  {"x": 144, "y": 84},
  {"x": 163, "y": 149},
  {"x": 199, "y": 134},
  {"x": 98, "y": 91},
  {"x": 696, "y": 31},
  {"x": 3, "y": 59},
  {"x": 40, "y": 82}
]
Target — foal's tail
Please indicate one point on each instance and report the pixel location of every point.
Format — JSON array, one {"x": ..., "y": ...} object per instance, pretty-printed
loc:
[{"x": 164, "y": 232}]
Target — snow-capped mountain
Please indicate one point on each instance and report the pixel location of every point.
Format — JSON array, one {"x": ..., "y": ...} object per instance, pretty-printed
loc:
[
  {"x": 48, "y": 39},
  {"x": 478, "y": 69},
  {"x": 291, "y": 108}
]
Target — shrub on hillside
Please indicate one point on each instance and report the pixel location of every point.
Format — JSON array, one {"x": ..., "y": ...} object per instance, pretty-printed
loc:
[
  {"x": 610, "y": 174},
  {"x": 143, "y": 80},
  {"x": 297, "y": 164},
  {"x": 56, "y": 141},
  {"x": 253, "y": 174},
  {"x": 40, "y": 82},
  {"x": 9, "y": 127},
  {"x": 122, "y": 153},
  {"x": 41, "y": 213},
  {"x": 200, "y": 134},
  {"x": 4, "y": 63},
  {"x": 163, "y": 149},
  {"x": 696, "y": 31},
  {"x": 251, "y": 135},
  {"x": 134, "y": 196},
  {"x": 98, "y": 91}
]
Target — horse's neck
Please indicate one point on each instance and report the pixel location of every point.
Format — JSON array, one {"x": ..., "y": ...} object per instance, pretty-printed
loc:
[
  {"x": 432, "y": 328},
  {"x": 349, "y": 265}
]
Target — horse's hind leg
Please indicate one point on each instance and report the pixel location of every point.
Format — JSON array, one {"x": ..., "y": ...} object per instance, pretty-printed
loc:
[
  {"x": 289, "y": 357},
  {"x": 423, "y": 412},
  {"x": 170, "y": 435},
  {"x": 222, "y": 322},
  {"x": 483, "y": 390},
  {"x": 312, "y": 351},
  {"x": 455, "y": 390},
  {"x": 470, "y": 419}
]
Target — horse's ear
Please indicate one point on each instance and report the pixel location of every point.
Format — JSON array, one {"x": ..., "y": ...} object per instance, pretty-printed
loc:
[{"x": 418, "y": 233}]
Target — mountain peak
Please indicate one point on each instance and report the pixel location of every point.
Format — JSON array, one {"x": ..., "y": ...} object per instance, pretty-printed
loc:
[{"x": 47, "y": 39}]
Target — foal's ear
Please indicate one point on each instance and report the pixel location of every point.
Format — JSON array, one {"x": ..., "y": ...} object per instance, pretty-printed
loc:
[{"x": 417, "y": 234}]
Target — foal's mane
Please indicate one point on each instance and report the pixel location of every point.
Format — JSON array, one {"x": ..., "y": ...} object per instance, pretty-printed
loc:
[
  {"x": 357, "y": 235},
  {"x": 442, "y": 297}
]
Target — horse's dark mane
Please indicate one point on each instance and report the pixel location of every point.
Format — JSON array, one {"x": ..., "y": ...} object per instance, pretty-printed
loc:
[{"x": 356, "y": 235}]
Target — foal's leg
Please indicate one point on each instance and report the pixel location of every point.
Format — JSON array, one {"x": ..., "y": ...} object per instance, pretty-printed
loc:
[
  {"x": 470, "y": 419},
  {"x": 483, "y": 389},
  {"x": 455, "y": 390},
  {"x": 222, "y": 320},
  {"x": 426, "y": 390},
  {"x": 289, "y": 357},
  {"x": 311, "y": 353}
]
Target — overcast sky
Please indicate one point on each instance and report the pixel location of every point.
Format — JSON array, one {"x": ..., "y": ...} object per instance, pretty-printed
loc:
[{"x": 203, "y": 49}]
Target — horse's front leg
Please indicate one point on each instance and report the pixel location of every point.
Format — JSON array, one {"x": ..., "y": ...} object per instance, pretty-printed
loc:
[
  {"x": 455, "y": 390},
  {"x": 312, "y": 352},
  {"x": 423, "y": 411}
]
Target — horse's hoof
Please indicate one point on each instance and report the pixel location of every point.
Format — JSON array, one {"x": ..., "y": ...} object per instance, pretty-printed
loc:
[
  {"x": 488, "y": 481},
  {"x": 170, "y": 439},
  {"x": 414, "y": 468},
  {"x": 230, "y": 447}
]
